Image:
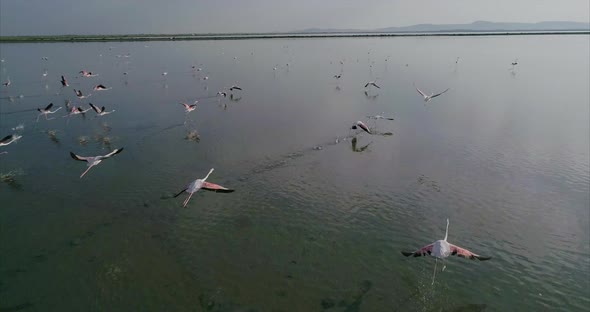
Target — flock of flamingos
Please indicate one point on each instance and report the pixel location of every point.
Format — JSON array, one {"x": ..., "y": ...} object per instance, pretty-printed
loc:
[{"x": 439, "y": 249}]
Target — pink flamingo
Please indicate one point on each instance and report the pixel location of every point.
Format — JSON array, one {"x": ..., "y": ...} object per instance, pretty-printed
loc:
[
  {"x": 441, "y": 249},
  {"x": 101, "y": 87},
  {"x": 94, "y": 160},
  {"x": 361, "y": 125},
  {"x": 80, "y": 95},
  {"x": 64, "y": 81},
  {"x": 198, "y": 184},
  {"x": 87, "y": 74},
  {"x": 189, "y": 108},
  {"x": 101, "y": 111},
  {"x": 46, "y": 111}
]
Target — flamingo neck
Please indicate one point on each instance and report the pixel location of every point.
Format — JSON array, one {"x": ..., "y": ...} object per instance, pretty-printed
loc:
[
  {"x": 447, "y": 231},
  {"x": 205, "y": 178}
]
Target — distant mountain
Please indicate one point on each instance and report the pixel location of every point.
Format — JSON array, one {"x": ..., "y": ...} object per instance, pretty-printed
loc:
[{"x": 475, "y": 26}]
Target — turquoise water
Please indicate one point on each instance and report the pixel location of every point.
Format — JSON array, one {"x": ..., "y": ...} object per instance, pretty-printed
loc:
[{"x": 313, "y": 225}]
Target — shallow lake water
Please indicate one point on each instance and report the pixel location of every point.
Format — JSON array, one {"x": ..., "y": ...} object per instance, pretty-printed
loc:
[{"x": 320, "y": 212}]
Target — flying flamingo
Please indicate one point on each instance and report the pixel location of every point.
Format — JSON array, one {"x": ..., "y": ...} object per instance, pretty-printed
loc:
[
  {"x": 222, "y": 93},
  {"x": 427, "y": 98},
  {"x": 361, "y": 125},
  {"x": 46, "y": 111},
  {"x": 94, "y": 160},
  {"x": 234, "y": 87},
  {"x": 87, "y": 74},
  {"x": 198, "y": 184},
  {"x": 80, "y": 95},
  {"x": 6, "y": 83},
  {"x": 441, "y": 249},
  {"x": 64, "y": 81},
  {"x": 10, "y": 139},
  {"x": 372, "y": 83},
  {"x": 189, "y": 108},
  {"x": 101, "y": 111},
  {"x": 101, "y": 87},
  {"x": 77, "y": 110}
]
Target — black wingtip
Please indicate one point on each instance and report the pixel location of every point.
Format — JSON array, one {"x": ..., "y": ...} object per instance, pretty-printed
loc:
[
  {"x": 179, "y": 193},
  {"x": 480, "y": 258},
  {"x": 119, "y": 150},
  {"x": 407, "y": 253},
  {"x": 73, "y": 156}
]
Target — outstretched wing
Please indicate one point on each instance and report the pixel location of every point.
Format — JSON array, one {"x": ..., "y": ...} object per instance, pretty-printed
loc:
[
  {"x": 439, "y": 93},
  {"x": 76, "y": 157},
  {"x": 426, "y": 250},
  {"x": 378, "y": 87},
  {"x": 180, "y": 193},
  {"x": 113, "y": 153},
  {"x": 48, "y": 107},
  {"x": 6, "y": 139},
  {"x": 215, "y": 187},
  {"x": 94, "y": 108},
  {"x": 421, "y": 93},
  {"x": 464, "y": 253}
]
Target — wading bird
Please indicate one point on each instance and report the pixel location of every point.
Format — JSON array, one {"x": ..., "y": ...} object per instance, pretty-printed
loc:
[
  {"x": 441, "y": 249},
  {"x": 427, "y": 98},
  {"x": 101, "y": 111},
  {"x": 94, "y": 160},
  {"x": 46, "y": 111},
  {"x": 198, "y": 184}
]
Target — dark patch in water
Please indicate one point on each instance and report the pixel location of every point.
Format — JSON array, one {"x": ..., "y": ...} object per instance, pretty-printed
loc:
[
  {"x": 471, "y": 307},
  {"x": 17, "y": 307}
]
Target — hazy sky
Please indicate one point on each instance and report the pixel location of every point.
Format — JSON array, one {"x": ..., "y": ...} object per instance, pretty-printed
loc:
[{"x": 31, "y": 17}]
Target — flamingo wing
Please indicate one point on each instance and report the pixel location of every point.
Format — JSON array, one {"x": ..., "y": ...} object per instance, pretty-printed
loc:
[
  {"x": 363, "y": 126},
  {"x": 48, "y": 107},
  {"x": 464, "y": 253},
  {"x": 426, "y": 250},
  {"x": 77, "y": 157},
  {"x": 435, "y": 95},
  {"x": 215, "y": 187},
  {"x": 94, "y": 108},
  {"x": 421, "y": 93},
  {"x": 6, "y": 139},
  {"x": 378, "y": 87},
  {"x": 180, "y": 193},
  {"x": 113, "y": 153}
]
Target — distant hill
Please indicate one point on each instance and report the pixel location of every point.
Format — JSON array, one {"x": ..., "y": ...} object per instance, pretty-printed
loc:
[{"x": 475, "y": 26}]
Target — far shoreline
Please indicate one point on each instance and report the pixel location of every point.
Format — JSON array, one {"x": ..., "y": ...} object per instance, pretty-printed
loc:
[{"x": 189, "y": 37}]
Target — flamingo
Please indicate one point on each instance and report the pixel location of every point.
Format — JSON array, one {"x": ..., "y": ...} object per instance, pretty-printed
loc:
[
  {"x": 361, "y": 125},
  {"x": 101, "y": 87},
  {"x": 198, "y": 184},
  {"x": 101, "y": 111},
  {"x": 94, "y": 160},
  {"x": 234, "y": 87},
  {"x": 372, "y": 83},
  {"x": 441, "y": 249},
  {"x": 46, "y": 111},
  {"x": 77, "y": 110},
  {"x": 87, "y": 74},
  {"x": 222, "y": 93},
  {"x": 64, "y": 81},
  {"x": 10, "y": 139},
  {"x": 189, "y": 108},
  {"x": 427, "y": 98},
  {"x": 379, "y": 117},
  {"x": 6, "y": 83},
  {"x": 80, "y": 95}
]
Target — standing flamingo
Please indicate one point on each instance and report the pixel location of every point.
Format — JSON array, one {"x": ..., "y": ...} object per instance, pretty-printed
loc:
[
  {"x": 198, "y": 184},
  {"x": 441, "y": 249}
]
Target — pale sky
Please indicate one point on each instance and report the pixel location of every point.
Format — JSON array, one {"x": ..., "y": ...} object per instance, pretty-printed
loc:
[{"x": 44, "y": 17}]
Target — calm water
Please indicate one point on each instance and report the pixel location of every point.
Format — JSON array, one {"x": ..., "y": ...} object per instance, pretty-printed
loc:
[{"x": 313, "y": 225}]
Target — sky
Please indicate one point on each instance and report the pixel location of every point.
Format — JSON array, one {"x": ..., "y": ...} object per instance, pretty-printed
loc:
[{"x": 53, "y": 17}]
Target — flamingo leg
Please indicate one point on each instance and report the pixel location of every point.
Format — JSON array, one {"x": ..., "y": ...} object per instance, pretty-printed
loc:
[
  {"x": 187, "y": 199},
  {"x": 434, "y": 274},
  {"x": 83, "y": 173}
]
